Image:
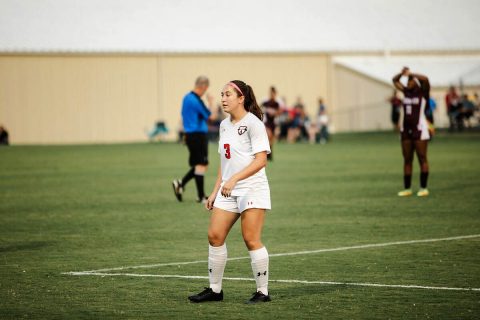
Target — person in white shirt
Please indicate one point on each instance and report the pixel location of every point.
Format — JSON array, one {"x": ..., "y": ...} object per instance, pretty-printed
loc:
[{"x": 241, "y": 190}]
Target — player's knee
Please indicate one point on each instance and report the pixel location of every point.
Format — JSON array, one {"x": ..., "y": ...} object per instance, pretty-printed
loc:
[
  {"x": 424, "y": 166},
  {"x": 253, "y": 244},
  {"x": 215, "y": 238},
  {"x": 408, "y": 158},
  {"x": 200, "y": 169},
  {"x": 422, "y": 159}
]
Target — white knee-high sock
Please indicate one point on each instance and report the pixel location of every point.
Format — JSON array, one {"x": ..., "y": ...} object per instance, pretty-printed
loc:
[
  {"x": 260, "y": 268},
  {"x": 217, "y": 258}
]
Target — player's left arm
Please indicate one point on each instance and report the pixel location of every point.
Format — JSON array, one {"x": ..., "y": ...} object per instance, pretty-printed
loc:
[
  {"x": 419, "y": 76},
  {"x": 425, "y": 86},
  {"x": 259, "y": 162},
  {"x": 397, "y": 83}
]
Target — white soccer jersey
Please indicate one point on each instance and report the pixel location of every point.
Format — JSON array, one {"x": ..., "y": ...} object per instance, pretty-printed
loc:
[{"x": 238, "y": 145}]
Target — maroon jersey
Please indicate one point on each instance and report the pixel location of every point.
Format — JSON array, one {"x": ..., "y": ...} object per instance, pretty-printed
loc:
[
  {"x": 414, "y": 121},
  {"x": 271, "y": 108}
]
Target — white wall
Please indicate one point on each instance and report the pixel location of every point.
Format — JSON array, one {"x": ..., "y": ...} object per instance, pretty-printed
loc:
[{"x": 360, "y": 103}]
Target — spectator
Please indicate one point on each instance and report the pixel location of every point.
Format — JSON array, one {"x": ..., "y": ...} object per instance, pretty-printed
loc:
[
  {"x": 476, "y": 103},
  {"x": 214, "y": 124},
  {"x": 297, "y": 129},
  {"x": 429, "y": 110},
  {"x": 283, "y": 121},
  {"x": 159, "y": 129},
  {"x": 432, "y": 106},
  {"x": 3, "y": 136},
  {"x": 323, "y": 135},
  {"x": 396, "y": 104},
  {"x": 181, "y": 132},
  {"x": 452, "y": 101},
  {"x": 271, "y": 109},
  {"x": 468, "y": 108}
]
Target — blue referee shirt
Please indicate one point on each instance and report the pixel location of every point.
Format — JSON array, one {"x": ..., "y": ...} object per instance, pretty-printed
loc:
[{"x": 194, "y": 114}]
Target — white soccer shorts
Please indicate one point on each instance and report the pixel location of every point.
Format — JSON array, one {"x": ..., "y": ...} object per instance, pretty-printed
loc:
[{"x": 259, "y": 199}]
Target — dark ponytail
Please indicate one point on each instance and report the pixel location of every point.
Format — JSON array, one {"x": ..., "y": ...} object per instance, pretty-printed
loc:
[{"x": 250, "y": 103}]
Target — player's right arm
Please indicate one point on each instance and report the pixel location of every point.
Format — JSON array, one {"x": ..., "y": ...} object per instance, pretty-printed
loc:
[
  {"x": 397, "y": 83},
  {"x": 213, "y": 195}
]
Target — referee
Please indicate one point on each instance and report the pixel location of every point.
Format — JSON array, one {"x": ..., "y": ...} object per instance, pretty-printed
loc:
[{"x": 195, "y": 115}]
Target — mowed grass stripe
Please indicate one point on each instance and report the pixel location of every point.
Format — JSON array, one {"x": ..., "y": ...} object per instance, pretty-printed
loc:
[{"x": 365, "y": 246}]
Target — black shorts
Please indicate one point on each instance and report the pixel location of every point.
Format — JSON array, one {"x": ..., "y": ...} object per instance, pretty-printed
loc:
[
  {"x": 395, "y": 117},
  {"x": 197, "y": 144},
  {"x": 410, "y": 134}
]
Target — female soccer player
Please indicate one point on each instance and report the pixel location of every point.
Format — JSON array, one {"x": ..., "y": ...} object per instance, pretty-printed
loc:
[
  {"x": 241, "y": 190},
  {"x": 414, "y": 131}
]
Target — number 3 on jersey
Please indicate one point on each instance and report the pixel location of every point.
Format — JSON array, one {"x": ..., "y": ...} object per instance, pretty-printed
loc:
[{"x": 226, "y": 146}]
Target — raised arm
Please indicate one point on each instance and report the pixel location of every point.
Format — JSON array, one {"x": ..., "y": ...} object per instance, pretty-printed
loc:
[
  {"x": 397, "y": 83},
  {"x": 424, "y": 82}
]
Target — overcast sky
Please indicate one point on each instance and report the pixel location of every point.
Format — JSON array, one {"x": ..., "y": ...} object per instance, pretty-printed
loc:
[{"x": 246, "y": 26}]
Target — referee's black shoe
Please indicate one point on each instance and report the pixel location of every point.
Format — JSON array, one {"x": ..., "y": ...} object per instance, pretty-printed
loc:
[
  {"x": 206, "y": 295},
  {"x": 202, "y": 200},
  {"x": 177, "y": 189},
  {"x": 258, "y": 297}
]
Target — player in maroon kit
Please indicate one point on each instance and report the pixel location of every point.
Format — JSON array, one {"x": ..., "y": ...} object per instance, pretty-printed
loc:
[
  {"x": 271, "y": 109},
  {"x": 414, "y": 129}
]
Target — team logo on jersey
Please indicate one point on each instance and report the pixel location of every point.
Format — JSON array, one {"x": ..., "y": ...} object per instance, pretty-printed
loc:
[{"x": 242, "y": 130}]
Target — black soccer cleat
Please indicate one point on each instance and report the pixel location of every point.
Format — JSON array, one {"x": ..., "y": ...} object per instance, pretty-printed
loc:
[
  {"x": 206, "y": 295},
  {"x": 177, "y": 189},
  {"x": 258, "y": 297}
]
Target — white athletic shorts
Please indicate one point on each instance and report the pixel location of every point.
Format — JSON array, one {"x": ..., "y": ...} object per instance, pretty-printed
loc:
[{"x": 259, "y": 199}]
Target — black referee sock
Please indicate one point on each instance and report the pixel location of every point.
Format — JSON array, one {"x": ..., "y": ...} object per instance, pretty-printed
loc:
[
  {"x": 189, "y": 176},
  {"x": 199, "y": 183},
  {"x": 407, "y": 181},
  {"x": 423, "y": 179}
]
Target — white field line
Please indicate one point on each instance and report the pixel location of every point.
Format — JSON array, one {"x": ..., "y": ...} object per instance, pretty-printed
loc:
[
  {"x": 364, "y": 246},
  {"x": 334, "y": 283}
]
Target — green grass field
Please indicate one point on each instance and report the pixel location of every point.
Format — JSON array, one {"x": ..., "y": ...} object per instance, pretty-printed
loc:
[{"x": 78, "y": 208}]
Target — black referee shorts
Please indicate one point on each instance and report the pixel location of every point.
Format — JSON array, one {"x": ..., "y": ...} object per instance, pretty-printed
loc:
[{"x": 197, "y": 144}]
